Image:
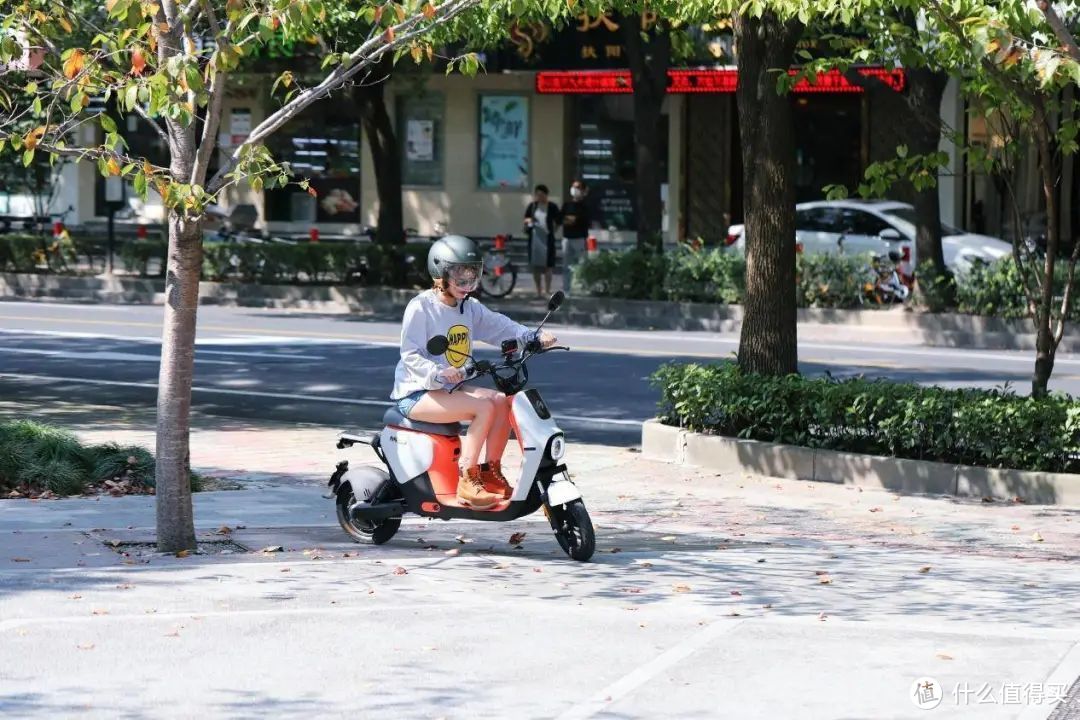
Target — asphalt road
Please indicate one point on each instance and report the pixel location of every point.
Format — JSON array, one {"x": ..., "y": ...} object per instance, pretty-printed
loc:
[{"x": 338, "y": 369}]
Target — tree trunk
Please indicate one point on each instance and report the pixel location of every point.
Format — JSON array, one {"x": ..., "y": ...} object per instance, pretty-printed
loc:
[
  {"x": 386, "y": 159},
  {"x": 1045, "y": 342},
  {"x": 175, "y": 523},
  {"x": 768, "y": 341},
  {"x": 649, "y": 61},
  {"x": 925, "y": 91}
]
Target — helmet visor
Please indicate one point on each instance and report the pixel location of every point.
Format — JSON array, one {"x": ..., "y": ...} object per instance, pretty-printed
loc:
[{"x": 464, "y": 276}]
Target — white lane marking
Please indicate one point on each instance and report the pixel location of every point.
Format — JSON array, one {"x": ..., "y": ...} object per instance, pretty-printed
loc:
[
  {"x": 927, "y": 351},
  {"x": 241, "y": 341},
  {"x": 103, "y": 355},
  {"x": 278, "y": 396},
  {"x": 643, "y": 674}
]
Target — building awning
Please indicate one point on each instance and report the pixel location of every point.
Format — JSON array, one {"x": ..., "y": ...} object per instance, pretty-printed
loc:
[{"x": 699, "y": 80}]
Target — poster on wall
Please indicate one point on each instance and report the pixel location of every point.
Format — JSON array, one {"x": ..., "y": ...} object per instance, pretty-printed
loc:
[
  {"x": 504, "y": 142},
  {"x": 338, "y": 200},
  {"x": 420, "y": 141}
]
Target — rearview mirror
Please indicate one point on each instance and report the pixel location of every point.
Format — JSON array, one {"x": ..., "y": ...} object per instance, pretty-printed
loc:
[
  {"x": 556, "y": 300},
  {"x": 890, "y": 234},
  {"x": 438, "y": 345}
]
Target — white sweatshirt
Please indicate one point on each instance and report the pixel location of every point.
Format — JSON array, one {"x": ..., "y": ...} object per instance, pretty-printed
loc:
[{"x": 427, "y": 316}]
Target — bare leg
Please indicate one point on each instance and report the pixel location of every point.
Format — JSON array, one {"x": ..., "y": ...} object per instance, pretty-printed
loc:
[
  {"x": 536, "y": 279},
  {"x": 547, "y": 282},
  {"x": 439, "y": 406},
  {"x": 499, "y": 434}
]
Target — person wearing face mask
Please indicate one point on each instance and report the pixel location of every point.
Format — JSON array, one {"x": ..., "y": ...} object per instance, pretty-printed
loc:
[
  {"x": 422, "y": 381},
  {"x": 577, "y": 219}
]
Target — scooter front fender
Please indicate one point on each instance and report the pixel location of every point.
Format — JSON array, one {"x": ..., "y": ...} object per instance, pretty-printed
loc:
[{"x": 561, "y": 492}]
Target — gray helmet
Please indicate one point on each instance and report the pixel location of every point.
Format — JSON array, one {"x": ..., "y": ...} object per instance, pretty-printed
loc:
[{"x": 451, "y": 250}]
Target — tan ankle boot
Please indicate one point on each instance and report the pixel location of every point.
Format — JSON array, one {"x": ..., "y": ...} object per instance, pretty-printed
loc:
[
  {"x": 471, "y": 492},
  {"x": 494, "y": 481}
]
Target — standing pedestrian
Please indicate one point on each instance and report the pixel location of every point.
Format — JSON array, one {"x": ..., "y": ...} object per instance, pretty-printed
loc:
[
  {"x": 577, "y": 220},
  {"x": 541, "y": 219}
]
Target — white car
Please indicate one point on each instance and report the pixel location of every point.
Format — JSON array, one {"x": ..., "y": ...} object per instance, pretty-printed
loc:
[{"x": 877, "y": 226}]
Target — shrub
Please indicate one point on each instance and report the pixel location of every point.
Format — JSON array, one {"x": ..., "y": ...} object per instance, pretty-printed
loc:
[
  {"x": 37, "y": 457},
  {"x": 832, "y": 281},
  {"x": 637, "y": 274},
  {"x": 990, "y": 428}
]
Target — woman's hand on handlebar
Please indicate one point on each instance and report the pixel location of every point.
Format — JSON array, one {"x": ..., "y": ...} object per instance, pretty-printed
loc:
[
  {"x": 451, "y": 375},
  {"x": 547, "y": 339}
]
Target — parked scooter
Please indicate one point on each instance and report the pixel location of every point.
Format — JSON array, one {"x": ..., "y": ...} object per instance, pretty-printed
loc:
[
  {"x": 420, "y": 473},
  {"x": 886, "y": 286}
]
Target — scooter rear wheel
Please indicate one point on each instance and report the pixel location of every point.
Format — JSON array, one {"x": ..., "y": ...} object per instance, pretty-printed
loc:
[
  {"x": 574, "y": 530},
  {"x": 369, "y": 533}
]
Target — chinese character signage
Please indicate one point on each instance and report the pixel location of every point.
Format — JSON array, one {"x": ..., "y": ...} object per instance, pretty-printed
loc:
[{"x": 504, "y": 142}]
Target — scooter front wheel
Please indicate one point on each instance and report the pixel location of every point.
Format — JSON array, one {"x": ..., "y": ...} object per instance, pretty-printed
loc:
[
  {"x": 574, "y": 530},
  {"x": 372, "y": 533}
]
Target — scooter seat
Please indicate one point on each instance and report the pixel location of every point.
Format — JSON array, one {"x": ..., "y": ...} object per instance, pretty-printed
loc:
[{"x": 393, "y": 417}]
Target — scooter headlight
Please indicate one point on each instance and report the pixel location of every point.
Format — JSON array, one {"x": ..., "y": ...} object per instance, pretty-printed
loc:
[{"x": 558, "y": 448}]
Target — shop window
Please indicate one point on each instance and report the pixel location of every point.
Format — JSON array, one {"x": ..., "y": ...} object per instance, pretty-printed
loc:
[
  {"x": 503, "y": 162},
  {"x": 606, "y": 156},
  {"x": 421, "y": 130},
  {"x": 321, "y": 145}
]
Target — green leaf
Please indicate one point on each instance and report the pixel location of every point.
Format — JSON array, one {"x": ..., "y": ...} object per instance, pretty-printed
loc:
[
  {"x": 27, "y": 158},
  {"x": 139, "y": 183},
  {"x": 901, "y": 151},
  {"x": 38, "y": 110},
  {"x": 107, "y": 123}
]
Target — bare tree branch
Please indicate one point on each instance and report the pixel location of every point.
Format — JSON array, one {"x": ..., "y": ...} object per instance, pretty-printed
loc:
[
  {"x": 212, "y": 116},
  {"x": 1063, "y": 35},
  {"x": 364, "y": 56},
  {"x": 153, "y": 123}
]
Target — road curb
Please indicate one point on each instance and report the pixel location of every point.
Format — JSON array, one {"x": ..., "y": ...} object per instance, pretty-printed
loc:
[
  {"x": 726, "y": 454},
  {"x": 935, "y": 330}
]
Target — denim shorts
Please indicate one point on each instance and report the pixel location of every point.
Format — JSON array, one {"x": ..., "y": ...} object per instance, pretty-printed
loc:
[{"x": 407, "y": 403}]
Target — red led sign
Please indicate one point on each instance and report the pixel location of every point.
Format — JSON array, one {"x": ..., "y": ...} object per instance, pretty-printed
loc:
[
  {"x": 604, "y": 82},
  {"x": 700, "y": 81}
]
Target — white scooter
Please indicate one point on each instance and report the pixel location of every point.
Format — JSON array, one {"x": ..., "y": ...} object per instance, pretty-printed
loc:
[{"x": 420, "y": 473}]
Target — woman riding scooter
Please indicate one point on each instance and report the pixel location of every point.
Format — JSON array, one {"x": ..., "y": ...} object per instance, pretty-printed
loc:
[{"x": 422, "y": 380}]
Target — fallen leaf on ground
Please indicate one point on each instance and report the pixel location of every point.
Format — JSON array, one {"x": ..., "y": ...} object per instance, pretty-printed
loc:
[
  {"x": 99, "y": 611},
  {"x": 1019, "y": 499},
  {"x": 924, "y": 569},
  {"x": 760, "y": 560},
  {"x": 516, "y": 538},
  {"x": 400, "y": 571},
  {"x": 733, "y": 613},
  {"x": 20, "y": 559},
  {"x": 875, "y": 509},
  {"x": 272, "y": 549},
  {"x": 668, "y": 538},
  {"x": 615, "y": 550},
  {"x": 455, "y": 551},
  {"x": 183, "y": 553},
  {"x": 1014, "y": 528},
  {"x": 76, "y": 597},
  {"x": 1036, "y": 536},
  {"x": 945, "y": 656},
  {"x": 462, "y": 539},
  {"x": 767, "y": 607},
  {"x": 538, "y": 570},
  {"x": 821, "y": 572},
  {"x": 632, "y": 590},
  {"x": 736, "y": 593},
  {"x": 285, "y": 570},
  {"x": 223, "y": 530},
  {"x": 681, "y": 588},
  {"x": 987, "y": 499},
  {"x": 174, "y": 633},
  {"x": 86, "y": 646},
  {"x": 822, "y": 617},
  {"x": 125, "y": 586},
  {"x": 825, "y": 580}
]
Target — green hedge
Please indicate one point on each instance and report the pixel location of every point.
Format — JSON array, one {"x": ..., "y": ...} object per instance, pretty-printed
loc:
[
  {"x": 269, "y": 263},
  {"x": 685, "y": 274},
  {"x": 988, "y": 428},
  {"x": 35, "y": 457}
]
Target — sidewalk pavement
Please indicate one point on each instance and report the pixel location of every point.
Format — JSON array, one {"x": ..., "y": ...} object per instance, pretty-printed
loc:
[{"x": 709, "y": 596}]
